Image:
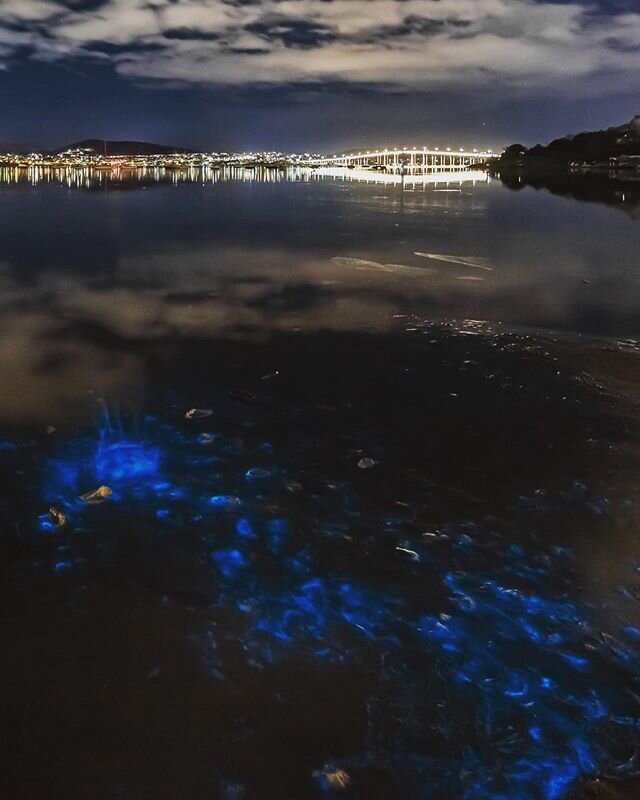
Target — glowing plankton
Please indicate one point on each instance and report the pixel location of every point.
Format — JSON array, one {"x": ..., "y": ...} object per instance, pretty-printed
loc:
[
  {"x": 256, "y": 473},
  {"x": 224, "y": 501}
]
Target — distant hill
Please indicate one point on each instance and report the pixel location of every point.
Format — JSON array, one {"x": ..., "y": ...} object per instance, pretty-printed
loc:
[
  {"x": 10, "y": 147},
  {"x": 111, "y": 148},
  {"x": 589, "y": 147}
]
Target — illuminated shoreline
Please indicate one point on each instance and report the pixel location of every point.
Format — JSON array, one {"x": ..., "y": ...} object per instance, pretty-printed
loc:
[{"x": 92, "y": 177}]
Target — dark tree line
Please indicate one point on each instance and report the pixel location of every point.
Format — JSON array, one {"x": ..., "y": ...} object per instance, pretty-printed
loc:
[{"x": 590, "y": 147}]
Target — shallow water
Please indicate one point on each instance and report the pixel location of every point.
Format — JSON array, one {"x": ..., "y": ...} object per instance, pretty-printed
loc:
[{"x": 403, "y": 544}]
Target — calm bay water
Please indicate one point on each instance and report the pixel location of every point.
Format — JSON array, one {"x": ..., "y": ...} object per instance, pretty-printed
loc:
[{"x": 398, "y": 559}]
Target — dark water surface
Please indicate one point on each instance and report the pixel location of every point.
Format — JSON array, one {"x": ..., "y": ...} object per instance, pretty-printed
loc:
[{"x": 398, "y": 559}]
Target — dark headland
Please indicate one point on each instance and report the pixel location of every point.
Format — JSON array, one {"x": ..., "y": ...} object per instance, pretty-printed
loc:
[
  {"x": 123, "y": 148},
  {"x": 594, "y": 166},
  {"x": 616, "y": 147}
]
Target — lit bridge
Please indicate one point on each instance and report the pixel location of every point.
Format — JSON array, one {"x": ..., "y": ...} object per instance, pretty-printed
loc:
[{"x": 410, "y": 160}]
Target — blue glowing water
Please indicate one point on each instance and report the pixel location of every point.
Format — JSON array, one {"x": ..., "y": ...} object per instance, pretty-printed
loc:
[
  {"x": 124, "y": 461},
  {"x": 501, "y": 662}
]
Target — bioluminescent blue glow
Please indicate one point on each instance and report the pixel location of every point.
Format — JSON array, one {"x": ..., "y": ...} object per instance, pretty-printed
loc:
[
  {"x": 245, "y": 529},
  {"x": 113, "y": 460},
  {"x": 256, "y": 474},
  {"x": 125, "y": 461},
  {"x": 45, "y": 524},
  {"x": 487, "y": 640},
  {"x": 225, "y": 501},
  {"x": 229, "y": 561}
]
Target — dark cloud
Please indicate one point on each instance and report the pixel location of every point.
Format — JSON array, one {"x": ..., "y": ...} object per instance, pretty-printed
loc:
[
  {"x": 292, "y": 32},
  {"x": 111, "y": 49},
  {"x": 191, "y": 34},
  {"x": 413, "y": 26}
]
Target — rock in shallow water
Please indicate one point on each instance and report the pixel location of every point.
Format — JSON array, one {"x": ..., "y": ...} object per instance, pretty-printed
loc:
[
  {"x": 98, "y": 495},
  {"x": 198, "y": 413}
]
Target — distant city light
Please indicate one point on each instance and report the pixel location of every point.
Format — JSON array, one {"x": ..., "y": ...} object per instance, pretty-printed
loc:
[{"x": 86, "y": 159}]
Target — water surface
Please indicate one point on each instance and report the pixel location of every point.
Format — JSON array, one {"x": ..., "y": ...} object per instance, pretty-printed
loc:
[{"x": 403, "y": 543}]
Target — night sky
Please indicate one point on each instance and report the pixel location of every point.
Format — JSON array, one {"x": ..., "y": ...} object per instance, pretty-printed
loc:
[{"x": 315, "y": 74}]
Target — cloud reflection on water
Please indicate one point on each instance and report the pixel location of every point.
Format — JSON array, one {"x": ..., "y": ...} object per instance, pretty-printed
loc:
[{"x": 112, "y": 275}]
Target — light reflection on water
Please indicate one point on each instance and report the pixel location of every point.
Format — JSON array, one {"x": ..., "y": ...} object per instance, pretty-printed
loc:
[
  {"x": 90, "y": 178},
  {"x": 459, "y": 620}
]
